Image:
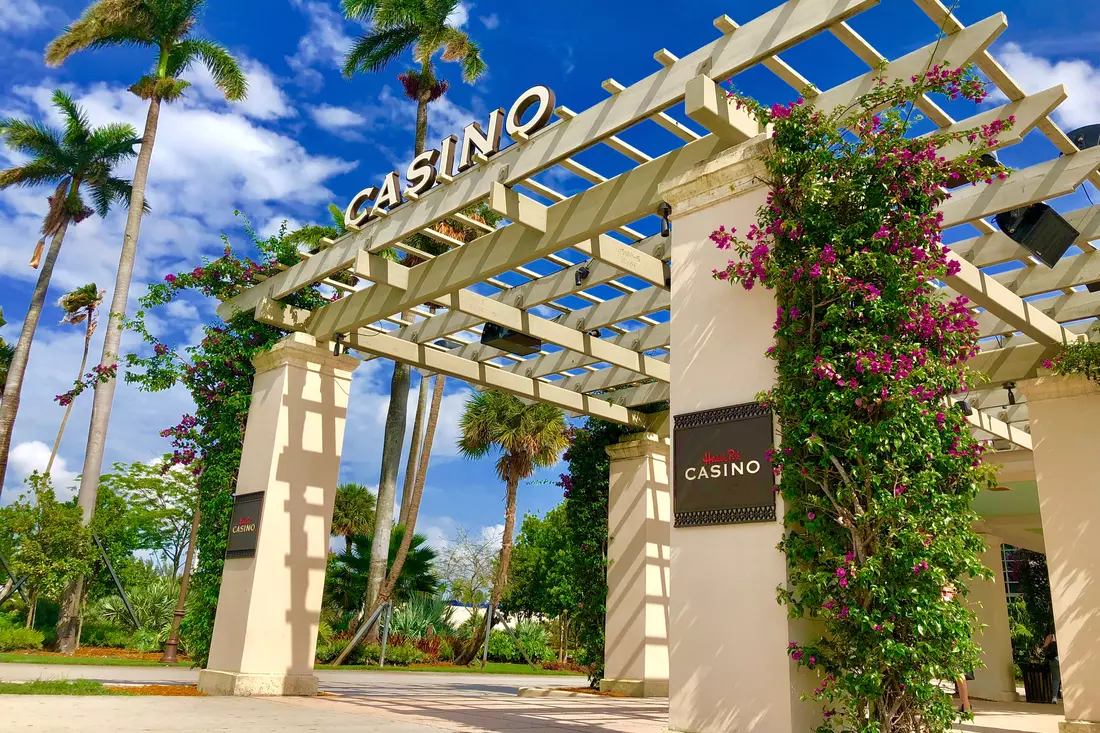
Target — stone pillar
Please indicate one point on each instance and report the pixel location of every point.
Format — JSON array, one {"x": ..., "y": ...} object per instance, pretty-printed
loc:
[
  {"x": 996, "y": 680},
  {"x": 265, "y": 632},
  {"x": 639, "y": 515},
  {"x": 729, "y": 669},
  {"x": 1064, "y": 412}
]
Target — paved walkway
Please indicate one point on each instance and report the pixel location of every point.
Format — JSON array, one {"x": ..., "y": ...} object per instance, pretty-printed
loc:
[{"x": 380, "y": 702}]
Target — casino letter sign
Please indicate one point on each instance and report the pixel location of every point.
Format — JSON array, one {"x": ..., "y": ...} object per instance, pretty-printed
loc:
[{"x": 722, "y": 473}]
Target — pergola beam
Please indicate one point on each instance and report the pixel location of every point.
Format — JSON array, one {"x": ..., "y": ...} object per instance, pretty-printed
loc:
[
  {"x": 642, "y": 394},
  {"x": 1070, "y": 272},
  {"x": 423, "y": 356},
  {"x": 640, "y": 340},
  {"x": 586, "y": 215},
  {"x": 999, "y": 429}
]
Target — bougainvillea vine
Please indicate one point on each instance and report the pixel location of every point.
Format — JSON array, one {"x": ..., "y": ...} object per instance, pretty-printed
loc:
[{"x": 877, "y": 468}]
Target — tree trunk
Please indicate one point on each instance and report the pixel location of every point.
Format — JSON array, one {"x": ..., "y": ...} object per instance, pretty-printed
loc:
[
  {"x": 69, "y": 407},
  {"x": 386, "y": 592},
  {"x": 10, "y": 406},
  {"x": 171, "y": 647},
  {"x": 32, "y": 607},
  {"x": 394, "y": 438},
  {"x": 105, "y": 391},
  {"x": 387, "y": 484},
  {"x": 414, "y": 451},
  {"x": 347, "y": 543},
  {"x": 502, "y": 568}
]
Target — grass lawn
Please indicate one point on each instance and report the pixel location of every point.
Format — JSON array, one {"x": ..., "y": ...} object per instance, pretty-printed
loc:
[
  {"x": 92, "y": 661},
  {"x": 490, "y": 668},
  {"x": 58, "y": 687}
]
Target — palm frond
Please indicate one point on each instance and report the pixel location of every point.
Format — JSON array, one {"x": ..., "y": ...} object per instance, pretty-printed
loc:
[
  {"x": 113, "y": 143},
  {"x": 337, "y": 215},
  {"x": 35, "y": 173},
  {"x": 409, "y": 13},
  {"x": 473, "y": 67},
  {"x": 223, "y": 66},
  {"x": 112, "y": 191},
  {"x": 360, "y": 9},
  {"x": 375, "y": 51},
  {"x": 34, "y": 139},
  {"x": 104, "y": 23},
  {"x": 77, "y": 125}
]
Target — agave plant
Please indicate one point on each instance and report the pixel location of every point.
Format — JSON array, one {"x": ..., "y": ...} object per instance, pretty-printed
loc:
[{"x": 422, "y": 615}]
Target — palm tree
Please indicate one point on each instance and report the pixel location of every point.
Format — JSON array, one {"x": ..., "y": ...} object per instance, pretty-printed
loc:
[
  {"x": 80, "y": 306},
  {"x": 347, "y": 583},
  {"x": 353, "y": 513},
  {"x": 425, "y": 28},
  {"x": 76, "y": 159},
  {"x": 527, "y": 437},
  {"x": 165, "y": 27}
]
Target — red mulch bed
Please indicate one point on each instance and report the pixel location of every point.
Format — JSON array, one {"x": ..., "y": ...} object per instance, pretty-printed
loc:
[
  {"x": 95, "y": 652},
  {"x": 158, "y": 690}
]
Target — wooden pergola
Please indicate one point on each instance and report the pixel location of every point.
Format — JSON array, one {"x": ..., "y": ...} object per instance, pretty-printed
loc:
[{"x": 595, "y": 291}]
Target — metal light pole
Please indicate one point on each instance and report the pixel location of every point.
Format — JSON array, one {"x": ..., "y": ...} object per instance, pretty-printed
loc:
[{"x": 171, "y": 648}]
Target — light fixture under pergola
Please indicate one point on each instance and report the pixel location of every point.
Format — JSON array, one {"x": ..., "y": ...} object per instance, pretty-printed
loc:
[{"x": 569, "y": 364}]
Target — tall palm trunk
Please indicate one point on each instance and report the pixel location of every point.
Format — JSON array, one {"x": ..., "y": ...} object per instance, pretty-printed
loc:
[
  {"x": 69, "y": 407},
  {"x": 394, "y": 438},
  {"x": 68, "y": 621},
  {"x": 501, "y": 581},
  {"x": 386, "y": 590},
  {"x": 414, "y": 451},
  {"x": 10, "y": 406}
]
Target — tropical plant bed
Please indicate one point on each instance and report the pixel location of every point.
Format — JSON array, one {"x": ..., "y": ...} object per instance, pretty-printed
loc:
[
  {"x": 490, "y": 668},
  {"x": 92, "y": 656}
]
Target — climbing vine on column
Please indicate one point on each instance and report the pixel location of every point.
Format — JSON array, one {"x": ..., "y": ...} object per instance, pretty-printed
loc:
[
  {"x": 218, "y": 373},
  {"x": 877, "y": 467}
]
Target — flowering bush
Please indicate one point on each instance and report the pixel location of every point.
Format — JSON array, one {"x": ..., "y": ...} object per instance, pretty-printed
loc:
[
  {"x": 218, "y": 373},
  {"x": 877, "y": 472},
  {"x": 99, "y": 375},
  {"x": 1081, "y": 358}
]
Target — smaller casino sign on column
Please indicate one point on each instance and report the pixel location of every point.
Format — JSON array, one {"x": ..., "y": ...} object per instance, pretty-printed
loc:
[
  {"x": 722, "y": 472},
  {"x": 244, "y": 527}
]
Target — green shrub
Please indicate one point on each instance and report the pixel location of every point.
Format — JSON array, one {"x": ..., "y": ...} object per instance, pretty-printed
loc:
[
  {"x": 148, "y": 640},
  {"x": 446, "y": 651},
  {"x": 532, "y": 635},
  {"x": 405, "y": 655},
  {"x": 105, "y": 635},
  {"x": 327, "y": 651},
  {"x": 501, "y": 647},
  {"x": 366, "y": 654},
  {"x": 12, "y": 639},
  {"x": 420, "y": 615},
  {"x": 324, "y": 633}
]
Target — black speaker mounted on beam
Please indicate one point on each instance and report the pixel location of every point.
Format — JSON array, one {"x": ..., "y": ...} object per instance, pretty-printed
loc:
[
  {"x": 514, "y": 342},
  {"x": 1085, "y": 137},
  {"x": 1040, "y": 230}
]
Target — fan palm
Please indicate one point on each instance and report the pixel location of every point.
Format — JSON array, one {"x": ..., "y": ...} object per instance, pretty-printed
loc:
[
  {"x": 397, "y": 26},
  {"x": 80, "y": 306},
  {"x": 346, "y": 585},
  {"x": 527, "y": 437},
  {"x": 76, "y": 160},
  {"x": 164, "y": 27},
  {"x": 353, "y": 513}
]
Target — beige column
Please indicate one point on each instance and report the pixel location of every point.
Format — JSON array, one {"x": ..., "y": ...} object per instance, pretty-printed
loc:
[
  {"x": 639, "y": 513},
  {"x": 269, "y": 606},
  {"x": 996, "y": 680},
  {"x": 1064, "y": 413},
  {"x": 728, "y": 667}
]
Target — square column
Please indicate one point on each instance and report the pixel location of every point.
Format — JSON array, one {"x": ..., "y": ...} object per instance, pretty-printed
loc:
[
  {"x": 997, "y": 679},
  {"x": 269, "y": 606},
  {"x": 729, "y": 669},
  {"x": 639, "y": 515},
  {"x": 1063, "y": 414}
]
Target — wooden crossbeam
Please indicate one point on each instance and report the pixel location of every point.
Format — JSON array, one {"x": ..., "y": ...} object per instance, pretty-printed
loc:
[
  {"x": 642, "y": 339},
  {"x": 1036, "y": 183},
  {"x": 1027, "y": 111},
  {"x": 999, "y": 429},
  {"x": 1070, "y": 272},
  {"x": 423, "y": 356},
  {"x": 642, "y": 394},
  {"x": 708, "y": 104},
  {"x": 584, "y": 216}
]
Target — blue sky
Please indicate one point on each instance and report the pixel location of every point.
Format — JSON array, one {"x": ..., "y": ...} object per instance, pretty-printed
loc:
[{"x": 307, "y": 136}]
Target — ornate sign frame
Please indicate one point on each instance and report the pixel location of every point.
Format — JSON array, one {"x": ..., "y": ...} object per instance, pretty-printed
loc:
[
  {"x": 733, "y": 485},
  {"x": 244, "y": 526}
]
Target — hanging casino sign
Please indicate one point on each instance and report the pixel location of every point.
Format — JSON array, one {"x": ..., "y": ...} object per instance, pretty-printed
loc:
[
  {"x": 244, "y": 525},
  {"x": 722, "y": 475},
  {"x": 438, "y": 165}
]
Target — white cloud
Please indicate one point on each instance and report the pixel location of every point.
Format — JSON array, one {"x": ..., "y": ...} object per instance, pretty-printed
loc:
[
  {"x": 340, "y": 121},
  {"x": 325, "y": 44},
  {"x": 460, "y": 16},
  {"x": 265, "y": 100},
  {"x": 1036, "y": 73},
  {"x": 26, "y": 458},
  {"x": 182, "y": 310},
  {"x": 22, "y": 15},
  {"x": 491, "y": 21}
]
